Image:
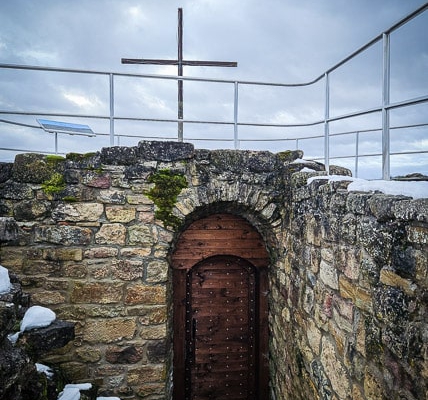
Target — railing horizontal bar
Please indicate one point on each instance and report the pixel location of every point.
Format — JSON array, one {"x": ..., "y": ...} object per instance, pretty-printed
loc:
[
  {"x": 406, "y": 103},
  {"x": 30, "y": 151},
  {"x": 409, "y": 152},
  {"x": 50, "y": 114},
  {"x": 407, "y": 18},
  {"x": 153, "y": 76},
  {"x": 379, "y": 129},
  {"x": 379, "y": 154},
  {"x": 20, "y": 124},
  {"x": 355, "y": 114},
  {"x": 377, "y": 38},
  {"x": 280, "y": 125}
]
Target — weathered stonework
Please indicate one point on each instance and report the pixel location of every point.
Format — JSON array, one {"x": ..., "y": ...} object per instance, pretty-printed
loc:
[{"x": 348, "y": 274}]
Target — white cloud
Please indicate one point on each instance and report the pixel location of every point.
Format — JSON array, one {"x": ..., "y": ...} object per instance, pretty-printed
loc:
[
  {"x": 274, "y": 40},
  {"x": 38, "y": 57},
  {"x": 83, "y": 101}
]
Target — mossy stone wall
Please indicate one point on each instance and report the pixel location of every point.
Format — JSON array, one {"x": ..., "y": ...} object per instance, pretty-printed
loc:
[{"x": 348, "y": 274}]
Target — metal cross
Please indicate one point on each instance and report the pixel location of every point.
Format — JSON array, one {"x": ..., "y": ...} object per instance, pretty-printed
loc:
[{"x": 180, "y": 63}]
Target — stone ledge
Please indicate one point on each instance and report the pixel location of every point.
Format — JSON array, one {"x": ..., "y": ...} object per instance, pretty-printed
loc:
[{"x": 41, "y": 340}]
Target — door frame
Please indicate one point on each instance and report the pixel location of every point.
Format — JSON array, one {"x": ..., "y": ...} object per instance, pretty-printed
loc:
[{"x": 180, "y": 272}]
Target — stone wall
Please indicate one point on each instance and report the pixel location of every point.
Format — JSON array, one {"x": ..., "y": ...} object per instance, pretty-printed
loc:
[
  {"x": 349, "y": 303},
  {"x": 348, "y": 279}
]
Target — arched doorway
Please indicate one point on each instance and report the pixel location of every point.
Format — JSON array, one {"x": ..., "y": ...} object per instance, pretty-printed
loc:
[{"x": 220, "y": 311}]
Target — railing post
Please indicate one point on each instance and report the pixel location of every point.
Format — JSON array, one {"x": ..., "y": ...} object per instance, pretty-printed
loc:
[
  {"x": 326, "y": 123},
  {"x": 357, "y": 152},
  {"x": 235, "y": 117},
  {"x": 386, "y": 174},
  {"x": 111, "y": 109}
]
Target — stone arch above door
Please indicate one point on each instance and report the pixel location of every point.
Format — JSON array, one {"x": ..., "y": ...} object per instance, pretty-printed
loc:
[
  {"x": 219, "y": 234},
  {"x": 218, "y": 238}
]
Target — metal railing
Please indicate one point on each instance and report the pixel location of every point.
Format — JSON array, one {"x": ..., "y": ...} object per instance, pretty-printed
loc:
[{"x": 325, "y": 121}]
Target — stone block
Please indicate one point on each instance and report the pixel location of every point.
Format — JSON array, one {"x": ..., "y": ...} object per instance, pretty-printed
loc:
[
  {"x": 41, "y": 340},
  {"x": 111, "y": 234},
  {"x": 127, "y": 270},
  {"x": 96, "y": 293},
  {"x": 119, "y": 155},
  {"x": 335, "y": 370},
  {"x": 101, "y": 252},
  {"x": 111, "y": 196},
  {"x": 390, "y": 278},
  {"x": 347, "y": 260},
  {"x": 75, "y": 212},
  {"x": 105, "y": 311},
  {"x": 165, "y": 151},
  {"x": 9, "y": 229},
  {"x": 5, "y": 171},
  {"x": 124, "y": 354},
  {"x": 314, "y": 335},
  {"x": 358, "y": 203},
  {"x": 141, "y": 235},
  {"x": 30, "y": 210},
  {"x": 109, "y": 330},
  {"x": 373, "y": 388},
  {"x": 75, "y": 371},
  {"x": 120, "y": 214},
  {"x": 129, "y": 252},
  {"x": 328, "y": 275},
  {"x": 145, "y": 294},
  {"x": 138, "y": 199},
  {"x": 417, "y": 235},
  {"x": 63, "y": 254},
  {"x": 48, "y": 298},
  {"x": 359, "y": 296},
  {"x": 17, "y": 191},
  {"x": 146, "y": 374},
  {"x": 157, "y": 271},
  {"x": 100, "y": 180},
  {"x": 150, "y": 315},
  {"x": 65, "y": 235},
  {"x": 153, "y": 332},
  {"x": 411, "y": 210},
  {"x": 31, "y": 168}
]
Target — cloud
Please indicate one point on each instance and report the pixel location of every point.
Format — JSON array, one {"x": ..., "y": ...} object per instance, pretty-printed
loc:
[{"x": 274, "y": 40}]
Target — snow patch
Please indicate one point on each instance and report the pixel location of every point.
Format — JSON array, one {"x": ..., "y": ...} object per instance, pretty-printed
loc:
[
  {"x": 301, "y": 161},
  {"x": 37, "y": 317},
  {"x": 108, "y": 398},
  {"x": 80, "y": 386},
  {"x": 44, "y": 369},
  {"x": 72, "y": 391},
  {"x": 415, "y": 189},
  {"x": 306, "y": 169},
  {"x": 5, "y": 284},
  {"x": 69, "y": 394}
]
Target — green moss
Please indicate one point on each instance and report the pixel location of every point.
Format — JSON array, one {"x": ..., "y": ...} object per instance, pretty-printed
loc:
[
  {"x": 289, "y": 155},
  {"x": 70, "y": 199},
  {"x": 54, "y": 184},
  {"x": 168, "y": 186},
  {"x": 53, "y": 159}
]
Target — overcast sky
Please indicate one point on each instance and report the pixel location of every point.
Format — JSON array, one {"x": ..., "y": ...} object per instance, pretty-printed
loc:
[{"x": 284, "y": 41}]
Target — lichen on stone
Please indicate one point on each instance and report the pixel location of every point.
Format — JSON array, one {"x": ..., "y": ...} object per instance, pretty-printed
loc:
[{"x": 168, "y": 185}]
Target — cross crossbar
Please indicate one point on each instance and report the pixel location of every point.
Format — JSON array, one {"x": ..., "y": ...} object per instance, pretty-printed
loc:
[{"x": 180, "y": 63}]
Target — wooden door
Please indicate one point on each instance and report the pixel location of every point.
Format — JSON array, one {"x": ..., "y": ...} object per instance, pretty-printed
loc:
[
  {"x": 215, "y": 254},
  {"x": 221, "y": 328}
]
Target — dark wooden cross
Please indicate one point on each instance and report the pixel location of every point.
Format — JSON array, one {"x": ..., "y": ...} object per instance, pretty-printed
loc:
[{"x": 180, "y": 63}]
